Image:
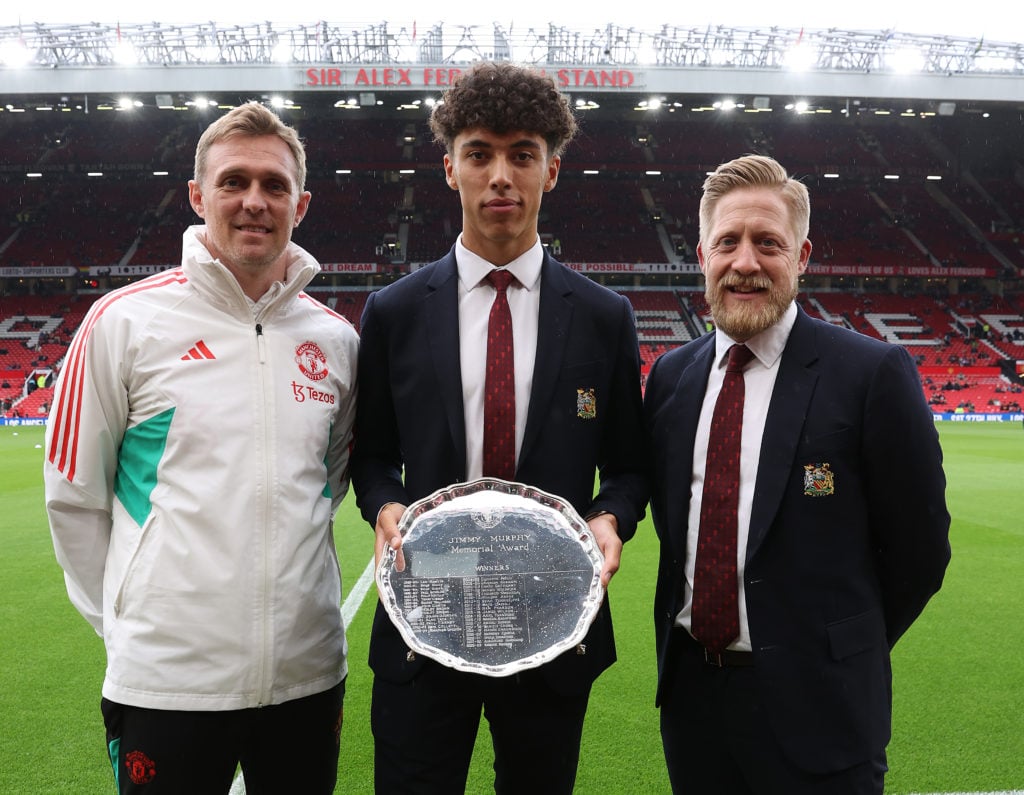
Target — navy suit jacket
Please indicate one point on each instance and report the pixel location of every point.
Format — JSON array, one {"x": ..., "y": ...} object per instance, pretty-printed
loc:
[
  {"x": 834, "y": 576},
  {"x": 410, "y": 438}
]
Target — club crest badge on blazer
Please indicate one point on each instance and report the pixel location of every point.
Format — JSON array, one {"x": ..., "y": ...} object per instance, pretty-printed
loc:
[
  {"x": 586, "y": 404},
  {"x": 819, "y": 480}
]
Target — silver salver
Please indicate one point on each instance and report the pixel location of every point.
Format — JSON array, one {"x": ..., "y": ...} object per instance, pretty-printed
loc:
[{"x": 499, "y": 577}]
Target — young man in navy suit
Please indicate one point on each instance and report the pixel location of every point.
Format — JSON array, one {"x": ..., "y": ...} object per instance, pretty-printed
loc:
[
  {"x": 578, "y": 413},
  {"x": 838, "y": 516}
]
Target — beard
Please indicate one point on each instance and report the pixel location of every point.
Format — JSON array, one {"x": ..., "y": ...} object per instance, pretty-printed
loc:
[{"x": 747, "y": 319}]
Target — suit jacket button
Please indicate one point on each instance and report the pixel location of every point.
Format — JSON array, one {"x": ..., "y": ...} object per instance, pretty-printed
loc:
[
  {"x": 410, "y": 656},
  {"x": 581, "y": 649}
]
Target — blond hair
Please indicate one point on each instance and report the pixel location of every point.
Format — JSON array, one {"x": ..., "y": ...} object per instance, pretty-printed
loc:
[
  {"x": 756, "y": 171},
  {"x": 253, "y": 119}
]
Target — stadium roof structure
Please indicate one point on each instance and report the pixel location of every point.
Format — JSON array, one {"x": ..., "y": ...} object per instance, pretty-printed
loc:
[{"x": 78, "y": 67}]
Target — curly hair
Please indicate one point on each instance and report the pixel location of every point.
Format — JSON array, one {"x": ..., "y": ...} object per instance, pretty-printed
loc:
[{"x": 503, "y": 97}]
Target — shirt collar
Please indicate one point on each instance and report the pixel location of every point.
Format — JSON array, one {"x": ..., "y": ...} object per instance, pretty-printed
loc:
[
  {"x": 767, "y": 346},
  {"x": 473, "y": 268}
]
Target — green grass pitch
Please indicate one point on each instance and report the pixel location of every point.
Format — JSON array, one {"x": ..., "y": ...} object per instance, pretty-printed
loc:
[{"x": 958, "y": 673}]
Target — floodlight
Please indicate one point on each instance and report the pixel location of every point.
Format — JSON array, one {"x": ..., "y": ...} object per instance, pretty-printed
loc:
[
  {"x": 282, "y": 52},
  {"x": 124, "y": 53},
  {"x": 13, "y": 52}
]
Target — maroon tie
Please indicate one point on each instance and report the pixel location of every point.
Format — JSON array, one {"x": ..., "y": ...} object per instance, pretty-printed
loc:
[
  {"x": 500, "y": 385},
  {"x": 715, "y": 620}
]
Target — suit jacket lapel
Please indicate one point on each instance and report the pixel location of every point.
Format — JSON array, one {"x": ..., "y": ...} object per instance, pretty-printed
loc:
[
  {"x": 787, "y": 411},
  {"x": 553, "y": 324},
  {"x": 685, "y": 407},
  {"x": 440, "y": 312},
  {"x": 693, "y": 383}
]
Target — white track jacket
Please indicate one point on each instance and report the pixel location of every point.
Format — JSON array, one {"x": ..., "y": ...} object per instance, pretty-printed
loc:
[{"x": 196, "y": 451}]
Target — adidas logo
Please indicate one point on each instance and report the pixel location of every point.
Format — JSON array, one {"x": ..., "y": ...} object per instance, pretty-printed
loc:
[{"x": 198, "y": 351}]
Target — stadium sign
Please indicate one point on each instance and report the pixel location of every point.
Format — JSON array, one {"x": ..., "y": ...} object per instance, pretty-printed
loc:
[
  {"x": 1004, "y": 417},
  {"x": 442, "y": 76},
  {"x": 926, "y": 271},
  {"x": 634, "y": 267},
  {"x": 129, "y": 270},
  {"x": 35, "y": 271},
  {"x": 354, "y": 267}
]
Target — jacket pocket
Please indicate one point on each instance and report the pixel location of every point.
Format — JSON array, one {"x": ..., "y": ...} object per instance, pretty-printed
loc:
[
  {"x": 841, "y": 439},
  {"x": 132, "y": 567},
  {"x": 853, "y": 635}
]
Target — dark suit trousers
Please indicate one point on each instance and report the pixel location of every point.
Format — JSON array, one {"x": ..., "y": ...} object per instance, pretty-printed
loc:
[
  {"x": 424, "y": 731},
  {"x": 717, "y": 738}
]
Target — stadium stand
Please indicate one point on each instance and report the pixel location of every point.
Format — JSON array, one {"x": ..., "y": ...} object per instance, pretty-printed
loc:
[
  {"x": 958, "y": 347},
  {"x": 627, "y": 195},
  {"x": 167, "y": 214},
  {"x": 349, "y": 303},
  {"x": 350, "y": 217},
  {"x": 435, "y": 216},
  {"x": 614, "y": 223}
]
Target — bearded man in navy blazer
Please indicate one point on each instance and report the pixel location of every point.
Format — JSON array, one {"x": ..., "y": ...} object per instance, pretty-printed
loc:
[
  {"x": 419, "y": 427},
  {"x": 840, "y": 522}
]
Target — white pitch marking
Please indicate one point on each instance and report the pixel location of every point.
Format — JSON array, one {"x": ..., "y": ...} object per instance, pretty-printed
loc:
[
  {"x": 350, "y": 606},
  {"x": 237, "y": 786}
]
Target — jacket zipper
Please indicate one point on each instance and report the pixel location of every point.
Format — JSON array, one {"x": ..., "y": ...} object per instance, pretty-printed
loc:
[
  {"x": 266, "y": 663},
  {"x": 261, "y": 344}
]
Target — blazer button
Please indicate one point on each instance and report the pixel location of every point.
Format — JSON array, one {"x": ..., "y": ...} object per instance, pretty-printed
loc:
[
  {"x": 581, "y": 649},
  {"x": 410, "y": 656}
]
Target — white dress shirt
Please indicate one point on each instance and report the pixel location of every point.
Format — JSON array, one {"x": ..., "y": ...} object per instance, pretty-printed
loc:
[
  {"x": 475, "y": 298},
  {"x": 758, "y": 381}
]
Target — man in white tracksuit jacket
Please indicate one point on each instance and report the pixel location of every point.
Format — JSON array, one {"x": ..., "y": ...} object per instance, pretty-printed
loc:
[{"x": 196, "y": 452}]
